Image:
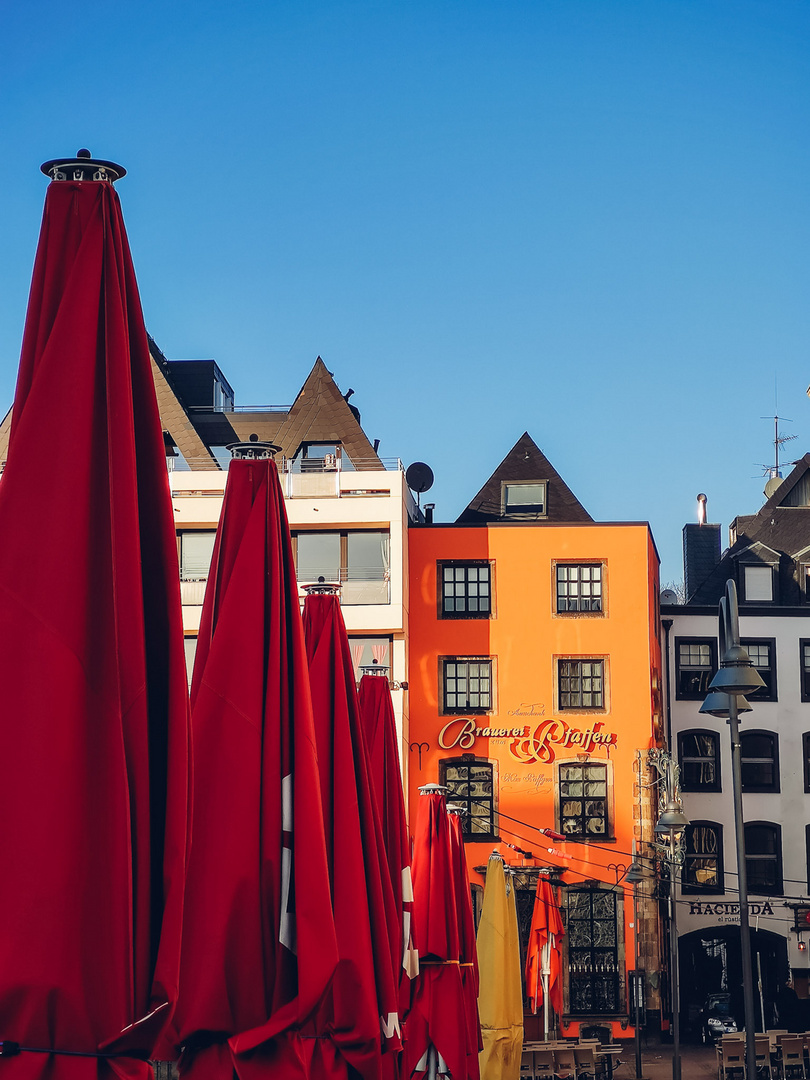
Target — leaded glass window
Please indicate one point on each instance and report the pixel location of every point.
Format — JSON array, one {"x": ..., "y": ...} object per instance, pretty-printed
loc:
[
  {"x": 472, "y": 786},
  {"x": 594, "y": 972},
  {"x": 466, "y": 590},
  {"x": 467, "y": 685},
  {"x": 583, "y": 799},
  {"x": 579, "y": 587},
  {"x": 581, "y": 684}
]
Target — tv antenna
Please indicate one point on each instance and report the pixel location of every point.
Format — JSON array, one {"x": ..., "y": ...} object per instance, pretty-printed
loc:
[{"x": 774, "y": 472}]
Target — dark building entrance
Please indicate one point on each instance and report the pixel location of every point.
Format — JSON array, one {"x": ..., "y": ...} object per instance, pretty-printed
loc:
[{"x": 711, "y": 962}]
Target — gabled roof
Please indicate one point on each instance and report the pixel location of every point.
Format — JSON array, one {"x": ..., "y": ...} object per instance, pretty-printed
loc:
[
  {"x": 526, "y": 463},
  {"x": 321, "y": 414}
]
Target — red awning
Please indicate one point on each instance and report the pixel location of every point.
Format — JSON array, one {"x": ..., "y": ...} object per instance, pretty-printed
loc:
[
  {"x": 258, "y": 938},
  {"x": 94, "y": 723}
]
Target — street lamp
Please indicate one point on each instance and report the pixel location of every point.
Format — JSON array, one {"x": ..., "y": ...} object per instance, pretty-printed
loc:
[
  {"x": 670, "y": 826},
  {"x": 737, "y": 676},
  {"x": 634, "y": 875}
]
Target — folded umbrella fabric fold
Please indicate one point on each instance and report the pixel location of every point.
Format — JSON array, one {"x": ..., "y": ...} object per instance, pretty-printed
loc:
[
  {"x": 259, "y": 945},
  {"x": 94, "y": 726}
]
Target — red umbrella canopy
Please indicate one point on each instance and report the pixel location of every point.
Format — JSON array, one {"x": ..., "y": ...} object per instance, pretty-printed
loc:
[
  {"x": 258, "y": 937},
  {"x": 95, "y": 702},
  {"x": 364, "y": 992},
  {"x": 438, "y": 1000},
  {"x": 380, "y": 727},
  {"x": 468, "y": 952},
  {"x": 546, "y": 922}
]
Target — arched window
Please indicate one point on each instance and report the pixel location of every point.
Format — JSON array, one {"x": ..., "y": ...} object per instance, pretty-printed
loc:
[
  {"x": 703, "y": 858},
  {"x": 471, "y": 781},
  {"x": 763, "y": 858},
  {"x": 699, "y": 754},
  {"x": 760, "y": 761}
]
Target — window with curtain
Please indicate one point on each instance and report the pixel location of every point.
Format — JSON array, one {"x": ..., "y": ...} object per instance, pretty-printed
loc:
[
  {"x": 358, "y": 559},
  {"x": 760, "y": 761},
  {"x": 763, "y": 858},
  {"x": 699, "y": 758},
  {"x": 703, "y": 858}
]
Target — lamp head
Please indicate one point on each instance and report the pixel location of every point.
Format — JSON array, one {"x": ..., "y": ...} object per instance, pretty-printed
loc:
[
  {"x": 716, "y": 704},
  {"x": 737, "y": 675},
  {"x": 671, "y": 817}
]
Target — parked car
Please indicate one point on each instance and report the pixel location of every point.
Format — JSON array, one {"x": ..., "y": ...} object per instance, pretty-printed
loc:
[{"x": 717, "y": 1018}]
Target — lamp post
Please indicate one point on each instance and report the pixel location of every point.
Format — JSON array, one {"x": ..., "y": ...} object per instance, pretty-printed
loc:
[
  {"x": 634, "y": 875},
  {"x": 669, "y": 827},
  {"x": 737, "y": 676}
]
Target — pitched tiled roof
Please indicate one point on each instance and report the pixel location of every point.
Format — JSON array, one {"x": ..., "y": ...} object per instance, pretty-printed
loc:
[{"x": 526, "y": 463}]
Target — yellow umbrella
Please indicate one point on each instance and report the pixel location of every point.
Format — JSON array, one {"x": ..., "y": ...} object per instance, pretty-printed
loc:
[{"x": 500, "y": 998}]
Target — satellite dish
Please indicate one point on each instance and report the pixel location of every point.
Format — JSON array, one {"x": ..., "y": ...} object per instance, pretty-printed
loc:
[
  {"x": 419, "y": 477},
  {"x": 669, "y": 596}
]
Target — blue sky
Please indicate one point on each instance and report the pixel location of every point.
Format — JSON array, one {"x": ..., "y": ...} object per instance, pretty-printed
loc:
[{"x": 587, "y": 219}]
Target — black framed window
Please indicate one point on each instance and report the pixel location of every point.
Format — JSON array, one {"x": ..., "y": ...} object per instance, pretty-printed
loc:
[
  {"x": 466, "y": 590},
  {"x": 804, "y": 667},
  {"x": 580, "y": 684},
  {"x": 806, "y": 759},
  {"x": 703, "y": 858},
  {"x": 579, "y": 587},
  {"x": 695, "y": 666},
  {"x": 759, "y": 751},
  {"x": 762, "y": 652},
  {"x": 594, "y": 972},
  {"x": 763, "y": 858},
  {"x": 466, "y": 684},
  {"x": 471, "y": 782},
  {"x": 699, "y": 757},
  {"x": 583, "y": 799}
]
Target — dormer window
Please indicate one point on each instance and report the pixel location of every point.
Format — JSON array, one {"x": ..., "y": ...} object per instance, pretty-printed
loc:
[
  {"x": 758, "y": 584},
  {"x": 524, "y": 498}
]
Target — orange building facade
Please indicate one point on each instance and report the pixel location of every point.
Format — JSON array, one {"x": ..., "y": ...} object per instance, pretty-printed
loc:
[{"x": 534, "y": 672}]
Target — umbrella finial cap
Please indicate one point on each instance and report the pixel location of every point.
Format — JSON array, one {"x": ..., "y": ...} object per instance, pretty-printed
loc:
[
  {"x": 253, "y": 450},
  {"x": 83, "y": 167}
]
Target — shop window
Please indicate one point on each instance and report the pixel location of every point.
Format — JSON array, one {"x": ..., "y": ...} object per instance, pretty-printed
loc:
[
  {"x": 762, "y": 652},
  {"x": 593, "y": 937},
  {"x": 579, "y": 587},
  {"x": 580, "y": 684},
  {"x": 763, "y": 858},
  {"x": 695, "y": 667},
  {"x": 804, "y": 657},
  {"x": 582, "y": 798},
  {"x": 757, "y": 584},
  {"x": 471, "y": 783},
  {"x": 759, "y": 752},
  {"x": 358, "y": 560},
  {"x": 699, "y": 756},
  {"x": 196, "y": 549},
  {"x": 466, "y": 590},
  {"x": 466, "y": 684},
  {"x": 703, "y": 858}
]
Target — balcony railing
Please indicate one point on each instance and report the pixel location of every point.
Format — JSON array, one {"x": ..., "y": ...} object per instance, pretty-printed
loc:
[{"x": 361, "y": 585}]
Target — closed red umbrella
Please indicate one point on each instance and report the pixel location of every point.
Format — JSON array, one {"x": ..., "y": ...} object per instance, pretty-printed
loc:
[
  {"x": 358, "y": 1019},
  {"x": 377, "y": 711},
  {"x": 543, "y": 959},
  {"x": 94, "y": 724},
  {"x": 436, "y": 1037},
  {"x": 258, "y": 938},
  {"x": 468, "y": 953}
]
